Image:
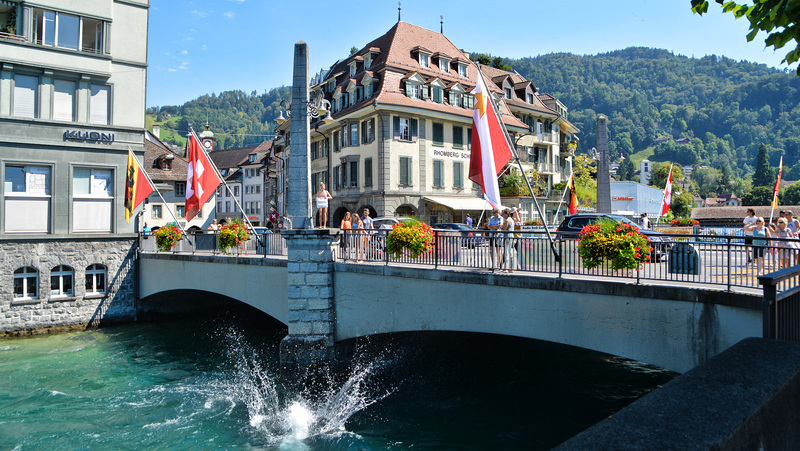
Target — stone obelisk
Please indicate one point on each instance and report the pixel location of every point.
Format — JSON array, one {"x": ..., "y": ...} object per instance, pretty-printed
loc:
[
  {"x": 298, "y": 209},
  {"x": 603, "y": 177}
]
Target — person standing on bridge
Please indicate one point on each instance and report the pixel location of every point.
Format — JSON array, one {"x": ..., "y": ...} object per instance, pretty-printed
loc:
[
  {"x": 748, "y": 241},
  {"x": 495, "y": 241},
  {"x": 509, "y": 251},
  {"x": 322, "y": 205},
  {"x": 760, "y": 233}
]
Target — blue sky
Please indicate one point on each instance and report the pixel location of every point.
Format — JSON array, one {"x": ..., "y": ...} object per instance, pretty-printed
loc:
[{"x": 198, "y": 47}]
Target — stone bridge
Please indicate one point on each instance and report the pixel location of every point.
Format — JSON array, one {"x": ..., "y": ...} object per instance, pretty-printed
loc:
[{"x": 325, "y": 302}]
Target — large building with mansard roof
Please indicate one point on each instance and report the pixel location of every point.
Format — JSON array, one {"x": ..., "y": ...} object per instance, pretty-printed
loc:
[{"x": 400, "y": 136}]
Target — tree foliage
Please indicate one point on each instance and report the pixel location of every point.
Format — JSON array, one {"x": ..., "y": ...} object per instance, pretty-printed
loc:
[
  {"x": 780, "y": 19},
  {"x": 759, "y": 195},
  {"x": 660, "y": 173},
  {"x": 791, "y": 195},
  {"x": 765, "y": 174}
]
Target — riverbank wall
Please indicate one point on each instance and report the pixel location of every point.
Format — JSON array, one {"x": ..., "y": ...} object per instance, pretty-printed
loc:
[
  {"x": 54, "y": 284},
  {"x": 747, "y": 397}
]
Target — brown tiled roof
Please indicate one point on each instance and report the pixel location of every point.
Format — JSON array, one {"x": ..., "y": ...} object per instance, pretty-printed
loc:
[
  {"x": 153, "y": 152},
  {"x": 230, "y": 158}
]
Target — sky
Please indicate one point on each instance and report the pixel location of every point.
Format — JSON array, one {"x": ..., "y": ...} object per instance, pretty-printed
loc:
[{"x": 198, "y": 47}]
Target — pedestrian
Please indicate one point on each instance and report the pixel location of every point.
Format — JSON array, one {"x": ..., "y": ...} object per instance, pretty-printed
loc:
[
  {"x": 509, "y": 253},
  {"x": 367, "y": 225},
  {"x": 791, "y": 223},
  {"x": 787, "y": 248},
  {"x": 644, "y": 221},
  {"x": 359, "y": 239},
  {"x": 495, "y": 241},
  {"x": 748, "y": 242},
  {"x": 760, "y": 233},
  {"x": 146, "y": 230},
  {"x": 345, "y": 225},
  {"x": 213, "y": 225},
  {"x": 469, "y": 221},
  {"x": 516, "y": 216},
  {"x": 322, "y": 205}
]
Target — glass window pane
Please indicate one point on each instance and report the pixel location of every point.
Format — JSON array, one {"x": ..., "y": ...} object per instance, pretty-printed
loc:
[
  {"x": 49, "y": 29},
  {"x": 18, "y": 287},
  {"x": 55, "y": 285},
  {"x": 14, "y": 179},
  {"x": 32, "y": 292},
  {"x": 81, "y": 181},
  {"x": 99, "y": 104},
  {"x": 68, "y": 28},
  {"x": 101, "y": 282},
  {"x": 92, "y": 38},
  {"x": 101, "y": 183}
]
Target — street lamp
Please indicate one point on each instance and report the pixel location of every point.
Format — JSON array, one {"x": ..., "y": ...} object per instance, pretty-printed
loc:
[{"x": 316, "y": 108}]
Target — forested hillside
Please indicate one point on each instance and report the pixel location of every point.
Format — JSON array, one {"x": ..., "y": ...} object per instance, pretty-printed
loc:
[{"x": 725, "y": 108}]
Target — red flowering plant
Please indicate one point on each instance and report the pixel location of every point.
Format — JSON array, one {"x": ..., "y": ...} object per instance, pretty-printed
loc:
[
  {"x": 681, "y": 222},
  {"x": 168, "y": 237},
  {"x": 232, "y": 235},
  {"x": 412, "y": 235},
  {"x": 619, "y": 243}
]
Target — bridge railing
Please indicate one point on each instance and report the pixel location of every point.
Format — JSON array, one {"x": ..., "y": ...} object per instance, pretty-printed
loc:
[
  {"x": 704, "y": 259},
  {"x": 258, "y": 244},
  {"x": 781, "y": 304}
]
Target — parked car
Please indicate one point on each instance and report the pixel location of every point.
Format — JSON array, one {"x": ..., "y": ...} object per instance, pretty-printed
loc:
[
  {"x": 470, "y": 237},
  {"x": 572, "y": 225},
  {"x": 384, "y": 223}
]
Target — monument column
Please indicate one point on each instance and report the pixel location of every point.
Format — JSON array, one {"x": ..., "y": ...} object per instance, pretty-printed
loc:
[
  {"x": 298, "y": 208},
  {"x": 603, "y": 177}
]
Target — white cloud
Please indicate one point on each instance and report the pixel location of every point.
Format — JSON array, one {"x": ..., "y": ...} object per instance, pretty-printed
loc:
[
  {"x": 197, "y": 13},
  {"x": 229, "y": 14},
  {"x": 184, "y": 52}
]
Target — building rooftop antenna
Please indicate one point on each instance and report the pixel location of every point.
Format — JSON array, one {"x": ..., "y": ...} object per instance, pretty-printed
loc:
[
  {"x": 398, "y": 11},
  {"x": 441, "y": 24}
]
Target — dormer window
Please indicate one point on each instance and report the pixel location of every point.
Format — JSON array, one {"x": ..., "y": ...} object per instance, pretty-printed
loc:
[
  {"x": 251, "y": 158},
  {"x": 424, "y": 60},
  {"x": 507, "y": 92},
  {"x": 353, "y": 69},
  {"x": 413, "y": 90},
  {"x": 530, "y": 99},
  {"x": 444, "y": 65},
  {"x": 462, "y": 70},
  {"x": 367, "y": 61}
]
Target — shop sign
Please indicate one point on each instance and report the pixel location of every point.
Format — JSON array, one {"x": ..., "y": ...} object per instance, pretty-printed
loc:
[{"x": 77, "y": 135}]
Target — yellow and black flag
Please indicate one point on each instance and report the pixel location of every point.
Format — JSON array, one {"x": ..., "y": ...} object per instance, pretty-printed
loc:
[{"x": 137, "y": 186}]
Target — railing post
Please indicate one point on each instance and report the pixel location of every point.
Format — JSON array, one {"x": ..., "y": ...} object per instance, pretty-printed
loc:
[
  {"x": 768, "y": 316},
  {"x": 561, "y": 255},
  {"x": 435, "y": 249},
  {"x": 729, "y": 263}
]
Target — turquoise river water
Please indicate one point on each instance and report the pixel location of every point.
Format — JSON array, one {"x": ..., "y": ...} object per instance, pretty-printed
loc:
[{"x": 211, "y": 384}]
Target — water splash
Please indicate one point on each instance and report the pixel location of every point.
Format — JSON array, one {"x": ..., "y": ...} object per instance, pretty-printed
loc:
[{"x": 317, "y": 414}]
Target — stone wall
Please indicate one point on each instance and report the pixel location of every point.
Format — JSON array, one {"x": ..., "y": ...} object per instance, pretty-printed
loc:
[{"x": 46, "y": 312}]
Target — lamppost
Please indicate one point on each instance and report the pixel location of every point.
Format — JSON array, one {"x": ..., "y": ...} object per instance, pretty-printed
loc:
[{"x": 315, "y": 108}]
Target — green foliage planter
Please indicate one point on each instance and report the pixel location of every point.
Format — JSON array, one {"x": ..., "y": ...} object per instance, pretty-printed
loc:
[
  {"x": 232, "y": 235},
  {"x": 620, "y": 244},
  {"x": 168, "y": 237},
  {"x": 411, "y": 237}
]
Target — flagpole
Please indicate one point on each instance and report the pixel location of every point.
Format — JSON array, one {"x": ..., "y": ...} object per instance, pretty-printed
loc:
[
  {"x": 162, "y": 199},
  {"x": 555, "y": 217},
  {"x": 516, "y": 157},
  {"x": 775, "y": 191},
  {"x": 222, "y": 179}
]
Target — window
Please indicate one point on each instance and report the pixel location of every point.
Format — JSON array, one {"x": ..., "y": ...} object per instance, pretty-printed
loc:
[
  {"x": 95, "y": 279},
  {"x": 368, "y": 131},
  {"x": 26, "y": 283},
  {"x": 458, "y": 137},
  {"x": 67, "y": 31},
  {"x": 462, "y": 70},
  {"x": 353, "y": 134},
  {"x": 413, "y": 90},
  {"x": 368, "y": 172},
  {"x": 337, "y": 143},
  {"x": 235, "y": 190},
  {"x": 530, "y": 98},
  {"x": 457, "y": 99},
  {"x": 353, "y": 69},
  {"x": 405, "y": 171},
  {"x": 180, "y": 211},
  {"x": 367, "y": 61},
  {"x": 438, "y": 134},
  {"x": 315, "y": 150},
  {"x": 99, "y": 104},
  {"x": 353, "y": 174},
  {"x": 345, "y": 100},
  {"x": 424, "y": 60},
  {"x": 251, "y": 158},
  {"x": 180, "y": 189},
  {"x": 219, "y": 191},
  {"x": 26, "y": 89},
  {"x": 469, "y": 138},
  {"x": 325, "y": 147},
  {"x": 436, "y": 94},
  {"x": 336, "y": 177},
  {"x": 507, "y": 92},
  {"x": 61, "y": 281},
  {"x": 405, "y": 129},
  {"x": 92, "y": 200},
  {"x": 64, "y": 100},
  {"x": 156, "y": 212},
  {"x": 458, "y": 174},
  {"x": 444, "y": 65},
  {"x": 219, "y": 208},
  {"x": 438, "y": 173},
  {"x": 27, "y": 198},
  {"x": 228, "y": 206}
]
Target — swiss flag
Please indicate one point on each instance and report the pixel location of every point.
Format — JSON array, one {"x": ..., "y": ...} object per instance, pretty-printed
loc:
[
  {"x": 667, "y": 194},
  {"x": 201, "y": 179}
]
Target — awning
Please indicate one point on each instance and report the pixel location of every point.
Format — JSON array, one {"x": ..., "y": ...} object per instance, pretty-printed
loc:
[{"x": 460, "y": 203}]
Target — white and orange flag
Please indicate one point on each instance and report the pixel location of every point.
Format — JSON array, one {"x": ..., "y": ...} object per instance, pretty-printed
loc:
[
  {"x": 201, "y": 179},
  {"x": 777, "y": 187},
  {"x": 490, "y": 149},
  {"x": 667, "y": 194}
]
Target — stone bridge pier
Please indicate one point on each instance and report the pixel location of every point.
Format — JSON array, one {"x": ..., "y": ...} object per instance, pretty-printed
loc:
[{"x": 309, "y": 346}]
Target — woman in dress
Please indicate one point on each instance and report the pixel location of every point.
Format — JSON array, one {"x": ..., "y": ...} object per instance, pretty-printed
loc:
[
  {"x": 760, "y": 233},
  {"x": 345, "y": 225},
  {"x": 322, "y": 205}
]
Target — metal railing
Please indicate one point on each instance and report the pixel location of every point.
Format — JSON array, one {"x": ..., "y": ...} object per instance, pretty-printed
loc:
[
  {"x": 260, "y": 244},
  {"x": 781, "y": 304},
  {"x": 698, "y": 259}
]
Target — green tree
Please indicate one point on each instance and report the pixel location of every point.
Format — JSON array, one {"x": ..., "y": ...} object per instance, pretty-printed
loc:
[
  {"x": 660, "y": 172},
  {"x": 791, "y": 195},
  {"x": 353, "y": 50},
  {"x": 626, "y": 170},
  {"x": 681, "y": 205},
  {"x": 765, "y": 174},
  {"x": 760, "y": 195},
  {"x": 779, "y": 18}
]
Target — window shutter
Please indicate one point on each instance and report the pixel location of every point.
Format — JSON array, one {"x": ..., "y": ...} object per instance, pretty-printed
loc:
[
  {"x": 396, "y": 121},
  {"x": 363, "y": 133},
  {"x": 408, "y": 171},
  {"x": 98, "y": 107},
  {"x": 25, "y": 89},
  {"x": 408, "y": 89},
  {"x": 64, "y": 100},
  {"x": 452, "y": 98},
  {"x": 425, "y": 91},
  {"x": 403, "y": 172},
  {"x": 413, "y": 130}
]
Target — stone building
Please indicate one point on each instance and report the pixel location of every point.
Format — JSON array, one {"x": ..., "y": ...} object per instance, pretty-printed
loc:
[
  {"x": 72, "y": 101},
  {"x": 398, "y": 136}
]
